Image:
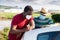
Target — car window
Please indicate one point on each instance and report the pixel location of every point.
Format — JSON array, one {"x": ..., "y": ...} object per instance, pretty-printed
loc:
[
  {"x": 43, "y": 37},
  {"x": 48, "y": 36},
  {"x": 58, "y": 37}
]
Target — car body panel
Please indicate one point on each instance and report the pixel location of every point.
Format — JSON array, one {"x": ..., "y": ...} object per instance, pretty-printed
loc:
[{"x": 32, "y": 34}]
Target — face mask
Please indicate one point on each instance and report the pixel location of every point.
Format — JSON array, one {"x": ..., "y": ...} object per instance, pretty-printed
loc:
[
  {"x": 42, "y": 17},
  {"x": 28, "y": 17}
]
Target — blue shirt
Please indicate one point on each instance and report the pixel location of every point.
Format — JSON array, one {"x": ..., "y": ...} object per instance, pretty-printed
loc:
[{"x": 39, "y": 22}]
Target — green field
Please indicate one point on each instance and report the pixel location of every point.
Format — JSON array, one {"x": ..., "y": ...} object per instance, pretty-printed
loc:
[
  {"x": 4, "y": 33},
  {"x": 8, "y": 15}
]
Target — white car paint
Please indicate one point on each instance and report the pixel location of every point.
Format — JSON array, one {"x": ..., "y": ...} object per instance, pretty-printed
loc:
[{"x": 32, "y": 34}]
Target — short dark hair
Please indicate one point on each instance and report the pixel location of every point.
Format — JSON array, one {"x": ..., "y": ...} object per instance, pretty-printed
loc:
[{"x": 28, "y": 8}]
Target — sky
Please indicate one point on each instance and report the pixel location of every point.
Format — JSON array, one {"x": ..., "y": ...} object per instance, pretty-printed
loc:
[{"x": 36, "y": 4}]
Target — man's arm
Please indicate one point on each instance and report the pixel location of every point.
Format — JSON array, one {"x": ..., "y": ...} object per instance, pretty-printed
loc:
[
  {"x": 31, "y": 25},
  {"x": 17, "y": 31}
]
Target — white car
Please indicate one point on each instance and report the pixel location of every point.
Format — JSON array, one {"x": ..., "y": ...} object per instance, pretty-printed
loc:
[{"x": 48, "y": 33}]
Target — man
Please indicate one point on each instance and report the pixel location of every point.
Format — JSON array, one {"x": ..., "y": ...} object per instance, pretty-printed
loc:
[
  {"x": 42, "y": 20},
  {"x": 21, "y": 23}
]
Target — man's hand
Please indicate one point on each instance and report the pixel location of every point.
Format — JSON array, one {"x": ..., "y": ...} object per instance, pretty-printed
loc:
[
  {"x": 29, "y": 27},
  {"x": 25, "y": 29}
]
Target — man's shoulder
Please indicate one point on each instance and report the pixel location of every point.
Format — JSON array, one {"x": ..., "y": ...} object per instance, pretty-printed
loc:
[{"x": 18, "y": 15}]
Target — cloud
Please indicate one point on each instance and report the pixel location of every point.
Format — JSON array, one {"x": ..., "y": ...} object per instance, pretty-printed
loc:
[
  {"x": 33, "y": 3},
  {"x": 55, "y": 2}
]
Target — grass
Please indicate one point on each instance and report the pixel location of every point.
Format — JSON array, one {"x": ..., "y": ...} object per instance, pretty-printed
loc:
[
  {"x": 36, "y": 14},
  {"x": 4, "y": 33},
  {"x": 7, "y": 15}
]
